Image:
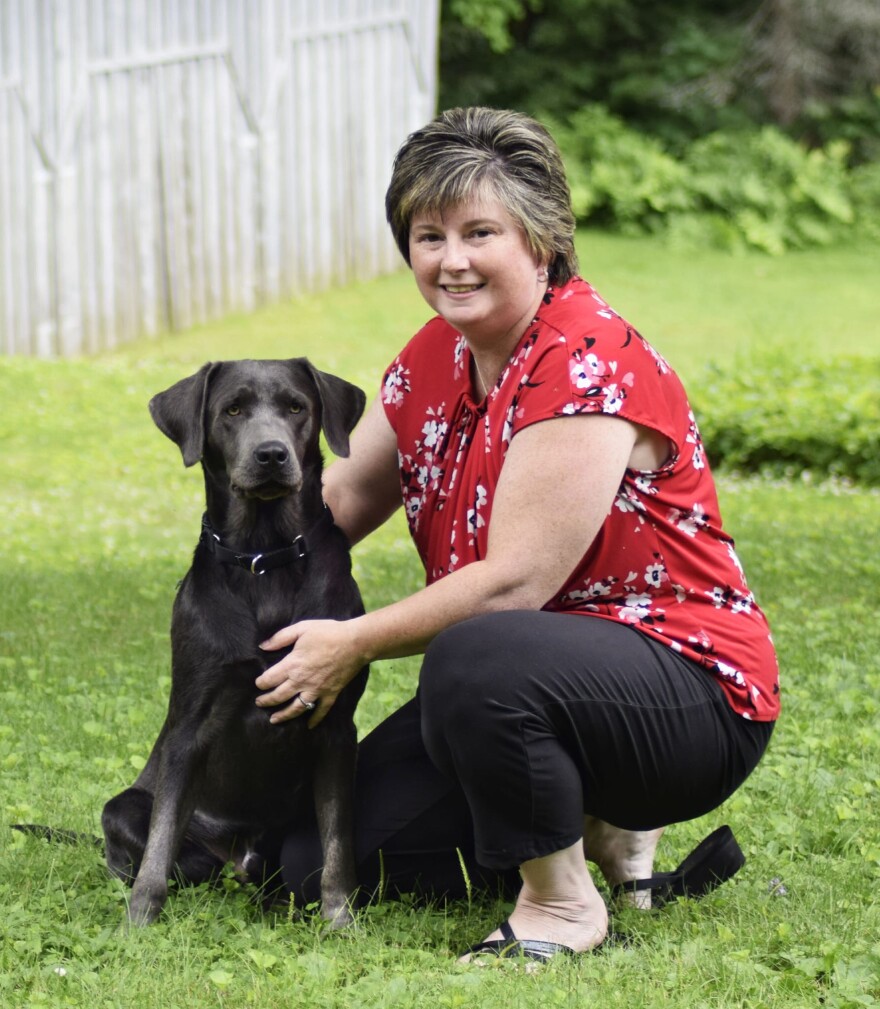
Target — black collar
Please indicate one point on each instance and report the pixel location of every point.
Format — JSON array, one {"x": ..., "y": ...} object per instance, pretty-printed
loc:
[{"x": 259, "y": 564}]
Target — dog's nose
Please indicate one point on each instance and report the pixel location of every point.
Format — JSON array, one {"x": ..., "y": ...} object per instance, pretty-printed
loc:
[{"x": 271, "y": 453}]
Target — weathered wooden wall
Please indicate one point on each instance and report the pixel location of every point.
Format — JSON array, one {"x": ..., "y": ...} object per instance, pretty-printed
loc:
[{"x": 163, "y": 162}]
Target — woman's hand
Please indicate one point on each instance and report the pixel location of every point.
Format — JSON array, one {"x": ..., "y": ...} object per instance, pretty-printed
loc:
[{"x": 325, "y": 658}]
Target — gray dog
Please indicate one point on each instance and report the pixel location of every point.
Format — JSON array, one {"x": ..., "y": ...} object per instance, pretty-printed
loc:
[{"x": 222, "y": 784}]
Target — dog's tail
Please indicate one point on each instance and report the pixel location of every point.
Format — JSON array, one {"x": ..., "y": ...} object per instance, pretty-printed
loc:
[{"x": 58, "y": 835}]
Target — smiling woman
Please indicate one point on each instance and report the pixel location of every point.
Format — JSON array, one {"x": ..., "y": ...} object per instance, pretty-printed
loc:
[
  {"x": 595, "y": 666},
  {"x": 509, "y": 157},
  {"x": 473, "y": 266}
]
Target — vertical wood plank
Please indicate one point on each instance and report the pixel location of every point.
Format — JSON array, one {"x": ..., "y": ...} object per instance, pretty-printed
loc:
[
  {"x": 9, "y": 320},
  {"x": 193, "y": 160},
  {"x": 246, "y": 158},
  {"x": 64, "y": 210},
  {"x": 84, "y": 152},
  {"x": 125, "y": 197},
  {"x": 104, "y": 182},
  {"x": 141, "y": 135},
  {"x": 269, "y": 207},
  {"x": 35, "y": 82},
  {"x": 22, "y": 189},
  {"x": 225, "y": 165}
]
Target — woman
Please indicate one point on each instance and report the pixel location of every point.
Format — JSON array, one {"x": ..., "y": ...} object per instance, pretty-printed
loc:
[{"x": 595, "y": 665}]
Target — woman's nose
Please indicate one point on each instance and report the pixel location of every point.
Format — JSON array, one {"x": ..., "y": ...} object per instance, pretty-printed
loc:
[{"x": 455, "y": 258}]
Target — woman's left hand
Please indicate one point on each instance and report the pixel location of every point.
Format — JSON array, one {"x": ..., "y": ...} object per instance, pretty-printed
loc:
[{"x": 324, "y": 660}]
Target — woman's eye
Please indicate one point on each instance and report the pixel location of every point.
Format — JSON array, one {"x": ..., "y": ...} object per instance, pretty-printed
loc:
[{"x": 234, "y": 410}]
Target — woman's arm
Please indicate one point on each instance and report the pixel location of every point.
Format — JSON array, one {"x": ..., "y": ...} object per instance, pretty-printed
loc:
[
  {"x": 363, "y": 490},
  {"x": 556, "y": 487}
]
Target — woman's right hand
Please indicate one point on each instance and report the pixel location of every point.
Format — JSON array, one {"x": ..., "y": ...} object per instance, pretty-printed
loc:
[{"x": 324, "y": 659}]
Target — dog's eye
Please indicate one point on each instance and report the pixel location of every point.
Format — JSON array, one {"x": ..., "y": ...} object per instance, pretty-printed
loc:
[
  {"x": 295, "y": 407},
  {"x": 233, "y": 410}
]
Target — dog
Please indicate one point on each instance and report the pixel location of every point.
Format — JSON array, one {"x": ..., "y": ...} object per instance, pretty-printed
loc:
[{"x": 221, "y": 783}]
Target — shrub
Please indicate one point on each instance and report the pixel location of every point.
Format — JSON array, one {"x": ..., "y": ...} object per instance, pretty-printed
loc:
[
  {"x": 853, "y": 117},
  {"x": 774, "y": 413},
  {"x": 618, "y": 176},
  {"x": 865, "y": 187},
  {"x": 733, "y": 189},
  {"x": 776, "y": 194}
]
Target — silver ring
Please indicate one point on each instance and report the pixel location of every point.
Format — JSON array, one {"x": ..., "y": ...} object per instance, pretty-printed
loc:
[{"x": 308, "y": 705}]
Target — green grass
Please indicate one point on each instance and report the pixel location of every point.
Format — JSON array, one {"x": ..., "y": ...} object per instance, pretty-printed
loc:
[
  {"x": 92, "y": 548},
  {"x": 707, "y": 304}
]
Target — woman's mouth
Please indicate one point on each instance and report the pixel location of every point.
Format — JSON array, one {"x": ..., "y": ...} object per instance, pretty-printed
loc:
[{"x": 461, "y": 288}]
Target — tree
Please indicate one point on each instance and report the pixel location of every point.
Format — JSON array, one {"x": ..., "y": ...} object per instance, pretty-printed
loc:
[
  {"x": 677, "y": 69},
  {"x": 799, "y": 52}
]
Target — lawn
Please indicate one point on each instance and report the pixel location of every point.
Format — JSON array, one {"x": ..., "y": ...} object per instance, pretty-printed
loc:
[{"x": 100, "y": 519}]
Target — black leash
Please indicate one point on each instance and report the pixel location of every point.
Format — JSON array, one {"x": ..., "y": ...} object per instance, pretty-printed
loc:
[{"x": 259, "y": 564}]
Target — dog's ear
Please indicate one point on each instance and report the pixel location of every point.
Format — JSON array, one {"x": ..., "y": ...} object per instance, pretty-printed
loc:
[
  {"x": 179, "y": 413},
  {"x": 341, "y": 407}
]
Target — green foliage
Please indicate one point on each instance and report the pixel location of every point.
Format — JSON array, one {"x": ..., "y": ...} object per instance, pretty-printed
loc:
[
  {"x": 814, "y": 52},
  {"x": 632, "y": 56},
  {"x": 758, "y": 189},
  {"x": 620, "y": 178},
  {"x": 776, "y": 413},
  {"x": 491, "y": 18},
  {"x": 854, "y": 118},
  {"x": 865, "y": 189},
  {"x": 675, "y": 70},
  {"x": 775, "y": 194}
]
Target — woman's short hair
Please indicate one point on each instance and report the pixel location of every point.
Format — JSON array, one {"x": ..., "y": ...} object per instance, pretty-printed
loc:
[{"x": 465, "y": 153}]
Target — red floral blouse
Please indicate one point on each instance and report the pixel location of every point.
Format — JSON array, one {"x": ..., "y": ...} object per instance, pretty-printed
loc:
[{"x": 661, "y": 561}]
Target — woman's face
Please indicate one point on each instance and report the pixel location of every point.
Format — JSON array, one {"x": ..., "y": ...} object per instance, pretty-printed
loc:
[{"x": 473, "y": 266}]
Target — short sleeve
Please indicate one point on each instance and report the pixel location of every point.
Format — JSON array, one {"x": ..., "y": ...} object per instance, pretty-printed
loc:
[{"x": 599, "y": 364}]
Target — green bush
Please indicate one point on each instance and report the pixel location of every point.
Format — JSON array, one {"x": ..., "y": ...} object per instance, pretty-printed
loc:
[
  {"x": 734, "y": 189},
  {"x": 773, "y": 413},
  {"x": 853, "y": 117},
  {"x": 777, "y": 194},
  {"x": 865, "y": 185},
  {"x": 620, "y": 177}
]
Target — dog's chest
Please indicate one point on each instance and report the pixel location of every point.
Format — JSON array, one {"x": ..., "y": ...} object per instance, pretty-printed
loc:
[
  {"x": 253, "y": 607},
  {"x": 274, "y": 609}
]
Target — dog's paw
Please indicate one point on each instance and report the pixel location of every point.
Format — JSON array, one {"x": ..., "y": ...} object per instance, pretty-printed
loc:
[
  {"x": 337, "y": 914},
  {"x": 145, "y": 905}
]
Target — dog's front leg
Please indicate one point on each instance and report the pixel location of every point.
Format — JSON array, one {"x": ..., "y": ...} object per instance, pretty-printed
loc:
[
  {"x": 334, "y": 806},
  {"x": 173, "y": 804}
]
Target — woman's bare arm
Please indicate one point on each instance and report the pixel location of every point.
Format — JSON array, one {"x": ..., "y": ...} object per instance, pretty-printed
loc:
[
  {"x": 557, "y": 486},
  {"x": 363, "y": 490}
]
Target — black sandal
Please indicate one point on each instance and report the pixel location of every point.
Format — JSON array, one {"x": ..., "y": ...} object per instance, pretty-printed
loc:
[
  {"x": 512, "y": 948},
  {"x": 715, "y": 859}
]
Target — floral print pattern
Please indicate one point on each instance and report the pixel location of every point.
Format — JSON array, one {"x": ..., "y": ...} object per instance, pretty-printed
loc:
[{"x": 661, "y": 562}]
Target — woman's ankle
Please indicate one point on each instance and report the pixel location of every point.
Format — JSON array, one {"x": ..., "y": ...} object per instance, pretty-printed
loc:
[
  {"x": 559, "y": 901},
  {"x": 622, "y": 855}
]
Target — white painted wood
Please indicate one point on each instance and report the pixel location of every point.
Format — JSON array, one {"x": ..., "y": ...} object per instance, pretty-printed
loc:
[{"x": 163, "y": 162}]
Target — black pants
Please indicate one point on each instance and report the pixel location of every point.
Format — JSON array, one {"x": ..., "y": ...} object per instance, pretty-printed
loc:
[{"x": 524, "y": 722}]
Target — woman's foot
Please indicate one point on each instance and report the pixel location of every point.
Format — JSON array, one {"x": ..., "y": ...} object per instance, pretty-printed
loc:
[
  {"x": 622, "y": 855},
  {"x": 558, "y": 903}
]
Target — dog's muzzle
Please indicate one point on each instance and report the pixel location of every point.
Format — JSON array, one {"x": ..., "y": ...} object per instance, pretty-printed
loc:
[{"x": 271, "y": 471}]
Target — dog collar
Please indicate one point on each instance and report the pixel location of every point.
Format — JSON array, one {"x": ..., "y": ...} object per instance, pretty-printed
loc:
[{"x": 259, "y": 564}]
